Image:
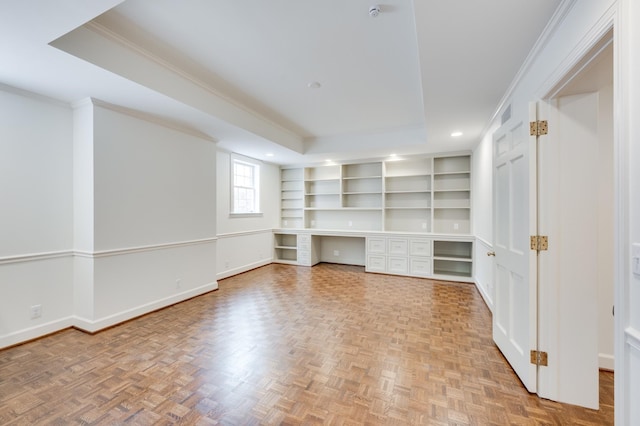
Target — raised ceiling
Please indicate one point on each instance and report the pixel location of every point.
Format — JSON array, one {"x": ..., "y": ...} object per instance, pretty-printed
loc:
[{"x": 239, "y": 71}]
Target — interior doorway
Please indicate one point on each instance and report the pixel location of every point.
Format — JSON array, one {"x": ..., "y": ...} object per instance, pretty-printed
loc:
[{"x": 576, "y": 211}]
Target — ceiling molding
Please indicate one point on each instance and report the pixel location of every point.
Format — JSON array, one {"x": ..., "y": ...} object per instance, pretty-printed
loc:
[
  {"x": 549, "y": 30},
  {"x": 114, "y": 37},
  {"x": 150, "y": 118}
]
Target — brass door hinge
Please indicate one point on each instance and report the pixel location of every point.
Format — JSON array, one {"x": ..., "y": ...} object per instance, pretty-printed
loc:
[
  {"x": 539, "y": 358},
  {"x": 539, "y": 242},
  {"x": 538, "y": 128}
]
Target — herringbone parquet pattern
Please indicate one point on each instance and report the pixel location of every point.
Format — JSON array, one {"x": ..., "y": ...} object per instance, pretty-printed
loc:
[{"x": 284, "y": 345}]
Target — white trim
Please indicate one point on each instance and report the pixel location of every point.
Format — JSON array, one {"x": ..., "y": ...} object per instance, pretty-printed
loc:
[
  {"x": 35, "y": 96},
  {"x": 242, "y": 233},
  {"x": 107, "y": 33},
  {"x": 93, "y": 326},
  {"x": 154, "y": 119},
  {"x": 140, "y": 249},
  {"x": 35, "y": 332},
  {"x": 480, "y": 285},
  {"x": 31, "y": 257},
  {"x": 632, "y": 337},
  {"x": 552, "y": 26},
  {"x": 241, "y": 215},
  {"x": 243, "y": 268},
  {"x": 578, "y": 53},
  {"x": 484, "y": 242},
  {"x": 606, "y": 362}
]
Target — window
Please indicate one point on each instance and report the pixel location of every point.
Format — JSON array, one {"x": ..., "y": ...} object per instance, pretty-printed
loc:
[{"x": 245, "y": 196}]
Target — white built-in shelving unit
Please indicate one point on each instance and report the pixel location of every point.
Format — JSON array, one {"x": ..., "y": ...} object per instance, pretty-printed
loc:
[{"x": 415, "y": 213}]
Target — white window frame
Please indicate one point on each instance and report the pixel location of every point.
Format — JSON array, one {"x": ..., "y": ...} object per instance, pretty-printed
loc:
[{"x": 253, "y": 186}]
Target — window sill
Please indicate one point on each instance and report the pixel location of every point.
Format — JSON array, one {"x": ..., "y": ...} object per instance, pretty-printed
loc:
[{"x": 240, "y": 215}]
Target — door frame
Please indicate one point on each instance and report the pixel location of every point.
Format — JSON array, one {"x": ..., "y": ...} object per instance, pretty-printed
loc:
[{"x": 590, "y": 47}]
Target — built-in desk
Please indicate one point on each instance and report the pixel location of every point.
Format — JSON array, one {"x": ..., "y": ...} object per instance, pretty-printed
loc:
[{"x": 447, "y": 257}]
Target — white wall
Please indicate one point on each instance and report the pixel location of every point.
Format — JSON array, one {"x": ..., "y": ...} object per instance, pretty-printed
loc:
[
  {"x": 245, "y": 243},
  {"x": 104, "y": 216},
  {"x": 36, "y": 217},
  {"x": 482, "y": 204},
  {"x": 154, "y": 224}
]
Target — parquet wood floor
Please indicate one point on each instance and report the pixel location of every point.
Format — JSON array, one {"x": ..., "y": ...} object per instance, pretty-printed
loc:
[{"x": 286, "y": 345}]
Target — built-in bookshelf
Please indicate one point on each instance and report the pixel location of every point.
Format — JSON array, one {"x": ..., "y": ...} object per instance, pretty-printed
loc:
[
  {"x": 453, "y": 258},
  {"x": 421, "y": 195},
  {"x": 286, "y": 248},
  {"x": 452, "y": 195},
  {"x": 292, "y": 198}
]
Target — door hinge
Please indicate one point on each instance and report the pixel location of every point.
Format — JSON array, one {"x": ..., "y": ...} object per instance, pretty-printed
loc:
[
  {"x": 539, "y": 242},
  {"x": 538, "y": 128},
  {"x": 539, "y": 358}
]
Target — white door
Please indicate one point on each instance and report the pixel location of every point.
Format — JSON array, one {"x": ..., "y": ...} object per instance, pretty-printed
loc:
[{"x": 515, "y": 275}]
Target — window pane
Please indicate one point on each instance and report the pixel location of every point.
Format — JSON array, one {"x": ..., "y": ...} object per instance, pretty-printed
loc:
[{"x": 245, "y": 187}]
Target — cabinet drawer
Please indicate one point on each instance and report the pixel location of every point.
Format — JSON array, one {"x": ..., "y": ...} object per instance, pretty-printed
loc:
[
  {"x": 397, "y": 246},
  {"x": 304, "y": 245},
  {"x": 420, "y": 266},
  {"x": 304, "y": 239},
  {"x": 397, "y": 265},
  {"x": 420, "y": 247},
  {"x": 376, "y": 245},
  {"x": 376, "y": 263}
]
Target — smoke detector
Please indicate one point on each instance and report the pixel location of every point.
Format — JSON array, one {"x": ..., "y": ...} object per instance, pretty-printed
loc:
[{"x": 374, "y": 10}]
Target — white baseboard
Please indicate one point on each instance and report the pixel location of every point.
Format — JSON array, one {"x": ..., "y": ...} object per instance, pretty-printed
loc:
[
  {"x": 485, "y": 296},
  {"x": 93, "y": 326},
  {"x": 35, "y": 332},
  {"x": 606, "y": 362},
  {"x": 243, "y": 268}
]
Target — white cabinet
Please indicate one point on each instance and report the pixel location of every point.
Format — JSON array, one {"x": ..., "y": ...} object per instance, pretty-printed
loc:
[
  {"x": 400, "y": 255},
  {"x": 420, "y": 266},
  {"x": 285, "y": 248},
  {"x": 376, "y": 263},
  {"x": 397, "y": 246},
  {"x": 397, "y": 265},
  {"x": 415, "y": 214},
  {"x": 453, "y": 259}
]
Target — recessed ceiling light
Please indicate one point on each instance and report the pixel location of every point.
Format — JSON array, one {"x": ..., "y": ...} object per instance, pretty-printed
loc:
[
  {"x": 314, "y": 85},
  {"x": 392, "y": 155},
  {"x": 456, "y": 134},
  {"x": 269, "y": 154}
]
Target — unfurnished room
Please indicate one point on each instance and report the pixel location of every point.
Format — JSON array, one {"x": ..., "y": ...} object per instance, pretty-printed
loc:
[{"x": 278, "y": 212}]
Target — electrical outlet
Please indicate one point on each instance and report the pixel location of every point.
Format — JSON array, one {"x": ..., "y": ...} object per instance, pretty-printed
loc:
[
  {"x": 313, "y": 223},
  {"x": 226, "y": 265},
  {"x": 336, "y": 253},
  {"x": 350, "y": 223},
  {"x": 455, "y": 226},
  {"x": 424, "y": 225},
  {"x": 178, "y": 283},
  {"x": 286, "y": 222},
  {"x": 36, "y": 311}
]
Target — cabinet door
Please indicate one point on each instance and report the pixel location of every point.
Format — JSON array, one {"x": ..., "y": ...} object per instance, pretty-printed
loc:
[
  {"x": 376, "y": 245},
  {"x": 397, "y": 246},
  {"x": 397, "y": 265},
  {"x": 420, "y": 266},
  {"x": 376, "y": 263},
  {"x": 419, "y": 247}
]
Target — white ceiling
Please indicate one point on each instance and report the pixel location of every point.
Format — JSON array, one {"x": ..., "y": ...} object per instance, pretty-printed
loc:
[{"x": 238, "y": 71}]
